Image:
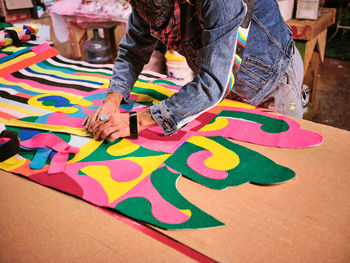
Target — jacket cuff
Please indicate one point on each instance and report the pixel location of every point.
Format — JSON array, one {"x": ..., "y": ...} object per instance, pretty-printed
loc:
[
  {"x": 119, "y": 87},
  {"x": 161, "y": 116}
]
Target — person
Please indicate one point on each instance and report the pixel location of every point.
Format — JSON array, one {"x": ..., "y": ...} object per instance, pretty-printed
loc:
[{"x": 206, "y": 33}]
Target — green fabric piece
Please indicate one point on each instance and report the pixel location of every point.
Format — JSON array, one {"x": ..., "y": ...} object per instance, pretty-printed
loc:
[
  {"x": 163, "y": 81},
  {"x": 71, "y": 69},
  {"x": 5, "y": 25},
  {"x": 269, "y": 124},
  {"x": 165, "y": 183},
  {"x": 49, "y": 103},
  {"x": 253, "y": 167}
]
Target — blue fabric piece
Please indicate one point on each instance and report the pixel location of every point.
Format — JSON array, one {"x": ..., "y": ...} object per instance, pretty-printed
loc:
[
  {"x": 79, "y": 114},
  {"x": 43, "y": 119},
  {"x": 15, "y": 54},
  {"x": 40, "y": 158},
  {"x": 60, "y": 101},
  {"x": 97, "y": 96},
  {"x": 129, "y": 106},
  {"x": 26, "y": 134}
]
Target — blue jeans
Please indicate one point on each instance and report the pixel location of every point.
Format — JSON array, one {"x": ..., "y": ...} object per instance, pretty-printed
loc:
[{"x": 286, "y": 96}]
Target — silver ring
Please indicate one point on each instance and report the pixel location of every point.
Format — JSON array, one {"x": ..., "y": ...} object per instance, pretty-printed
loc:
[{"x": 103, "y": 117}]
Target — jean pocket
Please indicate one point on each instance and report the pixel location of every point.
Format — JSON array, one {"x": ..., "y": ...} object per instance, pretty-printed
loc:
[{"x": 257, "y": 63}]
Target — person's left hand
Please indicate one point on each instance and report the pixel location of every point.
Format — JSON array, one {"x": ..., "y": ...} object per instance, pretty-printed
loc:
[{"x": 115, "y": 126}]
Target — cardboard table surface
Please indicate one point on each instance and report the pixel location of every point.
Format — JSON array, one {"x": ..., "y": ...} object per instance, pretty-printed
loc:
[{"x": 304, "y": 220}]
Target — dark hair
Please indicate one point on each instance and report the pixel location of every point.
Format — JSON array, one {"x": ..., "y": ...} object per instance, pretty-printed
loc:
[{"x": 154, "y": 12}]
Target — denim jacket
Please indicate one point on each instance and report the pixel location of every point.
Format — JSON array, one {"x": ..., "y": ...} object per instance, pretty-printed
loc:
[{"x": 208, "y": 39}]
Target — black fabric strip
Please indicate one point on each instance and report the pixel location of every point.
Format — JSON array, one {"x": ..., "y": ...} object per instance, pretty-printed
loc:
[
  {"x": 9, "y": 96},
  {"x": 10, "y": 148},
  {"x": 15, "y": 40},
  {"x": 79, "y": 65},
  {"x": 149, "y": 75},
  {"x": 19, "y": 75}
]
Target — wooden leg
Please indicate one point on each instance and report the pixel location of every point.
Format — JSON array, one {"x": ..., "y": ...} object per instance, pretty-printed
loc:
[
  {"x": 77, "y": 36},
  {"x": 310, "y": 80}
]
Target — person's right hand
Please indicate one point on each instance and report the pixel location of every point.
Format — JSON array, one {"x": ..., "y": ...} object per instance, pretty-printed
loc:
[{"x": 110, "y": 105}]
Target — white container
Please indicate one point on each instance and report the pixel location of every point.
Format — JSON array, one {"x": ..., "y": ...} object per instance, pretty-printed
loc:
[
  {"x": 177, "y": 67},
  {"x": 286, "y": 8}
]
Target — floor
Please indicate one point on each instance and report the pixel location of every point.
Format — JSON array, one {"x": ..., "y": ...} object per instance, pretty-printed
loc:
[{"x": 334, "y": 94}]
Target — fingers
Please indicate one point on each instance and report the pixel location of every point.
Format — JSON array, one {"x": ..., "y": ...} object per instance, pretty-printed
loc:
[
  {"x": 103, "y": 131},
  {"x": 91, "y": 118},
  {"x": 116, "y": 125},
  {"x": 114, "y": 136}
]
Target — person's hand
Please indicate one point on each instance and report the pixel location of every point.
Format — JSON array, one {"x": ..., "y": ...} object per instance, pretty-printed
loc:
[
  {"x": 114, "y": 126},
  {"x": 110, "y": 105}
]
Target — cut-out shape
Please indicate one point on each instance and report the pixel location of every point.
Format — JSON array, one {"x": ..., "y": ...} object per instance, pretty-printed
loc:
[
  {"x": 63, "y": 104},
  {"x": 40, "y": 158},
  {"x": 50, "y": 140},
  {"x": 252, "y": 167},
  {"x": 162, "y": 183},
  {"x": 260, "y": 128}
]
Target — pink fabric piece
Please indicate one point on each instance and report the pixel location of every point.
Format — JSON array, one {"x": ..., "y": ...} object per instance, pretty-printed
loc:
[
  {"x": 14, "y": 113},
  {"x": 248, "y": 131},
  {"x": 58, "y": 162},
  {"x": 161, "y": 209},
  {"x": 154, "y": 139},
  {"x": 60, "y": 181},
  {"x": 93, "y": 192},
  {"x": 59, "y": 118},
  {"x": 121, "y": 171},
  {"x": 3, "y": 140},
  {"x": 2, "y": 55},
  {"x": 41, "y": 48},
  {"x": 50, "y": 140},
  {"x": 196, "y": 162}
]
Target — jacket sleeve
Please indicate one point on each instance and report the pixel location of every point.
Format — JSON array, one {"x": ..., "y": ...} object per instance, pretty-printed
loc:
[
  {"x": 221, "y": 19},
  {"x": 135, "y": 50}
]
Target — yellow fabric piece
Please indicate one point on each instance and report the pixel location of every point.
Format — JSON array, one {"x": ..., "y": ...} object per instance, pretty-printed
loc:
[
  {"x": 20, "y": 109},
  {"x": 65, "y": 75},
  {"x": 17, "y": 59},
  {"x": 231, "y": 103},
  {"x": 222, "y": 158},
  {"x": 46, "y": 127},
  {"x": 123, "y": 147},
  {"x": 105, "y": 85},
  {"x": 34, "y": 89},
  {"x": 145, "y": 98},
  {"x": 12, "y": 163},
  {"x": 186, "y": 212},
  {"x": 114, "y": 190},
  {"x": 218, "y": 124},
  {"x": 12, "y": 48},
  {"x": 73, "y": 100},
  {"x": 86, "y": 150}
]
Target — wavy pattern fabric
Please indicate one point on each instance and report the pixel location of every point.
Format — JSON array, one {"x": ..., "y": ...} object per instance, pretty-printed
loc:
[{"x": 47, "y": 99}]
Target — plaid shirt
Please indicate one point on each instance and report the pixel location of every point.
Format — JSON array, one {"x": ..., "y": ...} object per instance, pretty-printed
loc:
[{"x": 171, "y": 34}]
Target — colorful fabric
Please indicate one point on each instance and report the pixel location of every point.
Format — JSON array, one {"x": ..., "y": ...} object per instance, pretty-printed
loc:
[
  {"x": 17, "y": 35},
  {"x": 171, "y": 34},
  {"x": 136, "y": 177}
]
